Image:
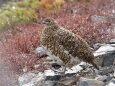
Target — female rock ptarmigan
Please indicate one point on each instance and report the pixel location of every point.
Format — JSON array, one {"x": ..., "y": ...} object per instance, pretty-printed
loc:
[{"x": 63, "y": 46}]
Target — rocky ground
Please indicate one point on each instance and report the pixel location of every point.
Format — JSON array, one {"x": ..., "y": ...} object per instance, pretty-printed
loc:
[{"x": 106, "y": 61}]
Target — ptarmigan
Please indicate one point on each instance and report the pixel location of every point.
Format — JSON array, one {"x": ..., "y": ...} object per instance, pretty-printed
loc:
[{"x": 64, "y": 47}]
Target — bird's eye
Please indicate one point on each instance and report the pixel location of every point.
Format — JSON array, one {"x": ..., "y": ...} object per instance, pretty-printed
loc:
[{"x": 47, "y": 20}]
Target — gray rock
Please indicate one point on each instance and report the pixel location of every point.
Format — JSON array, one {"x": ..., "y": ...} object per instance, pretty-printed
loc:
[
  {"x": 105, "y": 49},
  {"x": 112, "y": 41},
  {"x": 101, "y": 78},
  {"x": 70, "y": 81},
  {"x": 98, "y": 19},
  {"x": 111, "y": 17},
  {"x": 97, "y": 46},
  {"x": 106, "y": 54},
  {"x": 47, "y": 79},
  {"x": 25, "y": 78},
  {"x": 107, "y": 60},
  {"x": 104, "y": 78},
  {"x": 53, "y": 83},
  {"x": 111, "y": 83},
  {"x": 107, "y": 70},
  {"x": 90, "y": 82},
  {"x": 114, "y": 73},
  {"x": 40, "y": 51},
  {"x": 31, "y": 79}
]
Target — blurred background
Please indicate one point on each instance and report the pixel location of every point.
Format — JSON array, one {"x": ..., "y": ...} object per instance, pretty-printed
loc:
[{"x": 94, "y": 20}]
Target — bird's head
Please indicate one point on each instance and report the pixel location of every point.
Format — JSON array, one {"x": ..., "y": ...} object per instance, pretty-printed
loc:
[{"x": 49, "y": 22}]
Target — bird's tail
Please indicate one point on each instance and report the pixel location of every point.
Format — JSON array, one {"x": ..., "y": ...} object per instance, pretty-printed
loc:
[{"x": 95, "y": 66}]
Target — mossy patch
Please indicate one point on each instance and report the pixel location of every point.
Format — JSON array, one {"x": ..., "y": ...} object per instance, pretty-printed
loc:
[{"x": 20, "y": 12}]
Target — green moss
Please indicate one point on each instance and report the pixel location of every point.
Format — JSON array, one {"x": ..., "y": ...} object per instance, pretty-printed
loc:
[
  {"x": 20, "y": 12},
  {"x": 80, "y": 0}
]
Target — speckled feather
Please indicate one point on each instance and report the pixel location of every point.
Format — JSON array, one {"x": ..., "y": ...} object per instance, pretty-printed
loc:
[{"x": 66, "y": 45}]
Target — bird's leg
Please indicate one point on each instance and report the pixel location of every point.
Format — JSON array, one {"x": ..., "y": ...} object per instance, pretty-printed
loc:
[
  {"x": 93, "y": 69},
  {"x": 63, "y": 72},
  {"x": 96, "y": 71},
  {"x": 64, "y": 69},
  {"x": 82, "y": 72}
]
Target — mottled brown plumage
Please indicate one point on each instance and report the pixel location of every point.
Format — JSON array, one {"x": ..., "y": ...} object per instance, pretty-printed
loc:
[{"x": 65, "y": 47}]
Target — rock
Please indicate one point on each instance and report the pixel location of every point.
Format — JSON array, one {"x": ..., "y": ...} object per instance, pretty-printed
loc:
[
  {"x": 41, "y": 79},
  {"x": 25, "y": 69},
  {"x": 96, "y": 46},
  {"x": 37, "y": 80},
  {"x": 106, "y": 55},
  {"x": 111, "y": 83},
  {"x": 105, "y": 49},
  {"x": 101, "y": 78},
  {"x": 114, "y": 73},
  {"x": 74, "y": 69},
  {"x": 90, "y": 82},
  {"x": 111, "y": 17},
  {"x": 49, "y": 78},
  {"x": 70, "y": 81},
  {"x": 67, "y": 80},
  {"x": 25, "y": 78},
  {"x": 107, "y": 60},
  {"x": 98, "y": 19},
  {"x": 49, "y": 59},
  {"x": 113, "y": 11},
  {"x": 104, "y": 78},
  {"x": 40, "y": 51},
  {"x": 107, "y": 70},
  {"x": 53, "y": 83},
  {"x": 112, "y": 41},
  {"x": 53, "y": 78}
]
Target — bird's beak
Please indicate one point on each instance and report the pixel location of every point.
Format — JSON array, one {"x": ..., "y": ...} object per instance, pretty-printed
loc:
[{"x": 42, "y": 22}]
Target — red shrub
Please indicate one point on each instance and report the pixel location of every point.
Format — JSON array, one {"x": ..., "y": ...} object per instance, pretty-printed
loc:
[{"x": 20, "y": 46}]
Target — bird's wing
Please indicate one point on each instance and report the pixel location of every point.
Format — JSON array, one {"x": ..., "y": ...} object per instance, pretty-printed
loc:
[
  {"x": 55, "y": 49},
  {"x": 73, "y": 44}
]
